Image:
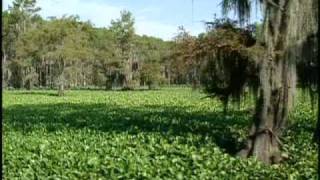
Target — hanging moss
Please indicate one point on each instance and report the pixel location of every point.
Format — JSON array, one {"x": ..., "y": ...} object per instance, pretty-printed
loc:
[
  {"x": 291, "y": 43},
  {"x": 229, "y": 67},
  {"x": 302, "y": 44}
]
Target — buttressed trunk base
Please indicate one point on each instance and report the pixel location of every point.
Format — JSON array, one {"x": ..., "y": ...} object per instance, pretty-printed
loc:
[
  {"x": 271, "y": 113},
  {"x": 286, "y": 27}
]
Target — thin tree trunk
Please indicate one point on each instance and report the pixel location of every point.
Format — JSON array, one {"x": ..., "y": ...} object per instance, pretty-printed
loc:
[
  {"x": 76, "y": 83},
  {"x": 61, "y": 79},
  {"x": 43, "y": 71},
  {"x": 4, "y": 58},
  {"x": 317, "y": 133},
  {"x": 316, "y": 136},
  {"x": 84, "y": 80},
  {"x": 50, "y": 75},
  {"x": 23, "y": 74},
  {"x": 39, "y": 72},
  {"x": 225, "y": 103},
  {"x": 167, "y": 70},
  {"x": 61, "y": 89},
  {"x": 128, "y": 75}
]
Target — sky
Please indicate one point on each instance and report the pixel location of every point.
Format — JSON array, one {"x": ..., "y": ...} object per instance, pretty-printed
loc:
[{"x": 158, "y": 18}]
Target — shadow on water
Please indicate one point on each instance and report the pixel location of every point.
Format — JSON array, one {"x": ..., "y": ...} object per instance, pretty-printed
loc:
[{"x": 168, "y": 120}]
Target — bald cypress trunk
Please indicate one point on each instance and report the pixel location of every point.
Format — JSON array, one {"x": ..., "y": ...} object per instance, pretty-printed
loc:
[
  {"x": 271, "y": 112},
  {"x": 287, "y": 25},
  {"x": 4, "y": 58},
  {"x": 316, "y": 135},
  {"x": 61, "y": 78},
  {"x": 128, "y": 84},
  {"x": 317, "y": 131}
]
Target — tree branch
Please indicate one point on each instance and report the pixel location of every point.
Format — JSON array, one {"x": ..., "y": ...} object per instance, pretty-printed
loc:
[{"x": 274, "y": 4}]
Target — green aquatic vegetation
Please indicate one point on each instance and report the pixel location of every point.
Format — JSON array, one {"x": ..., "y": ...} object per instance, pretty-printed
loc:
[{"x": 160, "y": 134}]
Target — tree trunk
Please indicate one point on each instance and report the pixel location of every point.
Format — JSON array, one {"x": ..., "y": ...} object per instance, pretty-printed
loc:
[
  {"x": 108, "y": 84},
  {"x": 169, "y": 76},
  {"x": 271, "y": 113},
  {"x": 277, "y": 79},
  {"x": 317, "y": 132},
  {"x": 76, "y": 83},
  {"x": 50, "y": 75},
  {"x": 61, "y": 78},
  {"x": 4, "y": 58},
  {"x": 225, "y": 102},
  {"x": 61, "y": 89},
  {"x": 46, "y": 72},
  {"x": 285, "y": 30},
  {"x": 23, "y": 75},
  {"x": 128, "y": 75},
  {"x": 61, "y": 85},
  {"x": 316, "y": 136}
]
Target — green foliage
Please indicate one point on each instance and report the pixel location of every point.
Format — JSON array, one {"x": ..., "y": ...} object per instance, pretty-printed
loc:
[
  {"x": 151, "y": 53},
  {"x": 184, "y": 57},
  {"x": 48, "y": 49},
  {"x": 227, "y": 64},
  {"x": 123, "y": 30},
  {"x": 19, "y": 18},
  {"x": 150, "y": 74},
  {"x": 44, "y": 50},
  {"x": 163, "y": 134}
]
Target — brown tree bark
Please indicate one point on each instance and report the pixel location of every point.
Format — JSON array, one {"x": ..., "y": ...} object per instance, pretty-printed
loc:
[
  {"x": 283, "y": 29},
  {"x": 61, "y": 81},
  {"x": 271, "y": 113},
  {"x": 317, "y": 132},
  {"x": 4, "y": 58},
  {"x": 169, "y": 74},
  {"x": 61, "y": 89},
  {"x": 128, "y": 84}
]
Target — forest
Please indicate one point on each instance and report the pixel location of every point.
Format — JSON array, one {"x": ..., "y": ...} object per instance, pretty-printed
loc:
[
  {"x": 237, "y": 101},
  {"x": 113, "y": 57}
]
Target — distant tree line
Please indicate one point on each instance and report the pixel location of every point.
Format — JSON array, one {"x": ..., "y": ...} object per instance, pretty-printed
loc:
[{"x": 68, "y": 53}]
